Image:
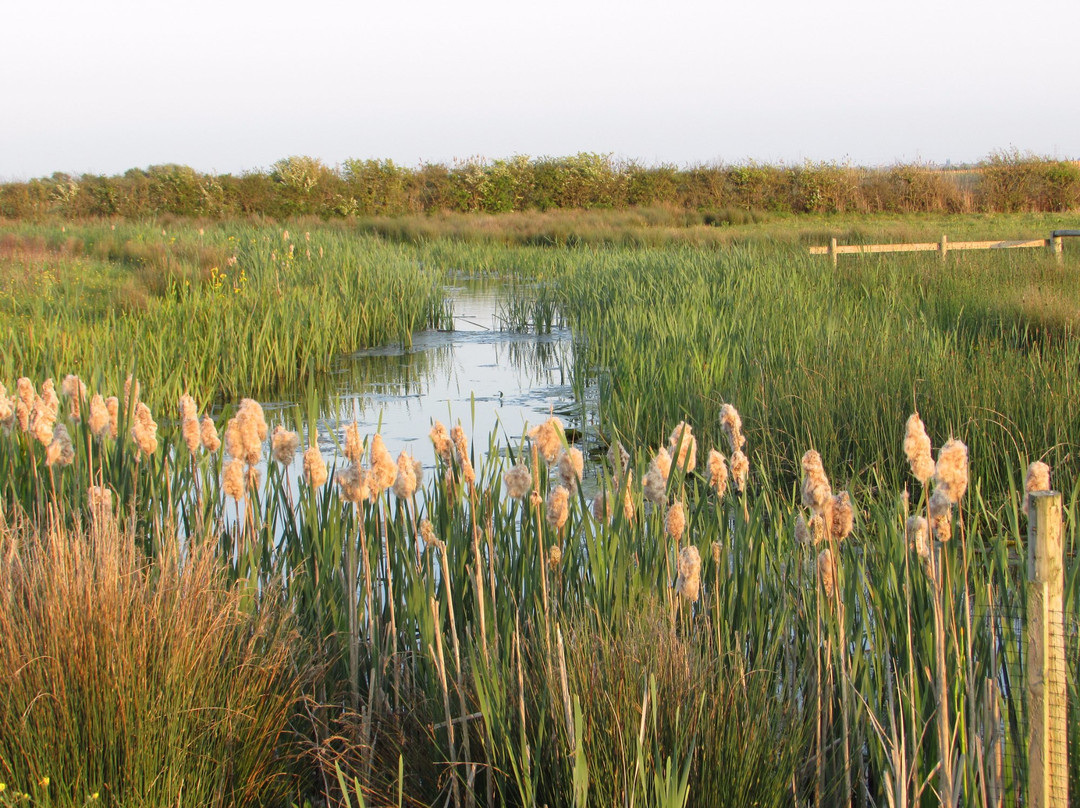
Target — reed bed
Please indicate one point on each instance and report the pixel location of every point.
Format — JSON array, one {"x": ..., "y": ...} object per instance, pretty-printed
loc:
[
  {"x": 705, "y": 619},
  {"x": 486, "y": 633},
  {"x": 814, "y": 356},
  {"x": 220, "y": 311}
]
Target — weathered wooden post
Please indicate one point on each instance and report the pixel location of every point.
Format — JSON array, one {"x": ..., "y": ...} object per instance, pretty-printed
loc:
[
  {"x": 1059, "y": 248},
  {"x": 944, "y": 246},
  {"x": 832, "y": 250},
  {"x": 1048, "y": 769}
]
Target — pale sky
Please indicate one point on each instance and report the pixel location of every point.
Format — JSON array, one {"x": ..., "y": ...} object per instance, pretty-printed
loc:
[{"x": 232, "y": 86}]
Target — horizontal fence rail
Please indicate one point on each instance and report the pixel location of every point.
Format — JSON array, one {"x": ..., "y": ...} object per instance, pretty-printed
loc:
[{"x": 833, "y": 250}]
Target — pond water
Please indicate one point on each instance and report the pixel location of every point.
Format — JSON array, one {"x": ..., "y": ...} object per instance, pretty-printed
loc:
[{"x": 491, "y": 380}]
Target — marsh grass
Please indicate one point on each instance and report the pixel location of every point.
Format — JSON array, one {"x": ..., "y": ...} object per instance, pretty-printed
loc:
[
  {"x": 218, "y": 313},
  {"x": 137, "y": 679},
  {"x": 489, "y": 675},
  {"x": 460, "y": 653}
]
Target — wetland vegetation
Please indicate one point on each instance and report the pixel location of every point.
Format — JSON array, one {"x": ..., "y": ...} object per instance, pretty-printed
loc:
[{"x": 496, "y": 630}]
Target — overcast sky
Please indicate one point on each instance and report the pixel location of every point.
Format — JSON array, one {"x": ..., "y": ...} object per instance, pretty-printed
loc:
[{"x": 232, "y": 85}]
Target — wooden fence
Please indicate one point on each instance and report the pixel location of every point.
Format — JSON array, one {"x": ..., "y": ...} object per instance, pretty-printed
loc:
[{"x": 945, "y": 246}]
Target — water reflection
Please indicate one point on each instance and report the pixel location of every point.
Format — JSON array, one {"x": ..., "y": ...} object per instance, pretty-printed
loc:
[{"x": 489, "y": 379}]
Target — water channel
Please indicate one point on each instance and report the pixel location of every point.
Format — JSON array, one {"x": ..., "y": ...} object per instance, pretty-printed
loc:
[{"x": 490, "y": 379}]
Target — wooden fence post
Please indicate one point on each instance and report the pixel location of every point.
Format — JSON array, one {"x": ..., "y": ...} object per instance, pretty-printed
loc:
[
  {"x": 832, "y": 250},
  {"x": 944, "y": 246},
  {"x": 1059, "y": 248},
  {"x": 1048, "y": 770}
]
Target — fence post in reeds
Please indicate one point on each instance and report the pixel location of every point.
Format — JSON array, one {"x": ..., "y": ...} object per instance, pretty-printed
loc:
[
  {"x": 1058, "y": 247},
  {"x": 1048, "y": 775},
  {"x": 944, "y": 246},
  {"x": 832, "y": 251}
]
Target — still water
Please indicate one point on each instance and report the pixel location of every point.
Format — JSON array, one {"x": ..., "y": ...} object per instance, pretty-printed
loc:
[{"x": 491, "y": 380}]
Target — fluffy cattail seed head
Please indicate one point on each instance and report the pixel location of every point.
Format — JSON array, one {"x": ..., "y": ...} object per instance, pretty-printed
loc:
[
  {"x": 1038, "y": 479},
  {"x": 60, "y": 451},
  {"x": 843, "y": 516},
  {"x": 718, "y": 473},
  {"x": 688, "y": 584},
  {"x": 355, "y": 484},
  {"x": 654, "y": 487},
  {"x": 917, "y": 449},
  {"x": 131, "y": 393},
  {"x": 234, "y": 482},
  {"x": 675, "y": 522},
  {"x": 192, "y": 434},
  {"x": 815, "y": 485},
  {"x": 548, "y": 438},
  {"x": 518, "y": 480},
  {"x": 558, "y": 507},
  {"x": 571, "y": 466},
  {"x": 661, "y": 462},
  {"x": 440, "y": 438},
  {"x": 683, "y": 447},
  {"x": 354, "y": 444},
  {"x": 100, "y": 500},
  {"x": 314, "y": 467},
  {"x": 461, "y": 450},
  {"x": 731, "y": 423},
  {"x": 383, "y": 468},
  {"x": 24, "y": 389},
  {"x": 802, "y": 530},
  {"x": 22, "y": 415},
  {"x": 826, "y": 572},
  {"x": 42, "y": 420},
  {"x": 283, "y": 445},
  {"x": 188, "y": 408},
  {"x": 427, "y": 533},
  {"x": 7, "y": 410},
  {"x": 48, "y": 395},
  {"x": 601, "y": 507},
  {"x": 144, "y": 430},
  {"x": 75, "y": 390},
  {"x": 941, "y": 513},
  {"x": 405, "y": 481},
  {"x": 740, "y": 470},
  {"x": 918, "y": 535},
  {"x": 99, "y": 422},
  {"x": 112, "y": 405},
  {"x": 209, "y": 435},
  {"x": 554, "y": 558},
  {"x": 952, "y": 469}
]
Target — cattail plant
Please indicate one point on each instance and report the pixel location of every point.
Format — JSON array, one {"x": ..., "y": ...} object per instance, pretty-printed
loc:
[
  {"x": 1037, "y": 479},
  {"x": 548, "y": 438}
]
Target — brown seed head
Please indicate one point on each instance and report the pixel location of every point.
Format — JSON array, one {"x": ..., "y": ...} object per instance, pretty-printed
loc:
[
  {"x": 688, "y": 584},
  {"x": 283, "y": 445},
  {"x": 952, "y": 469},
  {"x": 682, "y": 446},
  {"x": 1038, "y": 479},
  {"x": 917, "y": 449},
  {"x": 558, "y": 507},
  {"x": 314, "y": 467},
  {"x": 518, "y": 480}
]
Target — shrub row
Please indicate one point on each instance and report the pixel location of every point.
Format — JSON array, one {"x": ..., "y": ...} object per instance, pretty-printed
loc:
[{"x": 1004, "y": 182}]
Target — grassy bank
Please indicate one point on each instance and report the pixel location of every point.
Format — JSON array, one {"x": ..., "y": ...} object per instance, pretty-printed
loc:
[{"x": 217, "y": 310}]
